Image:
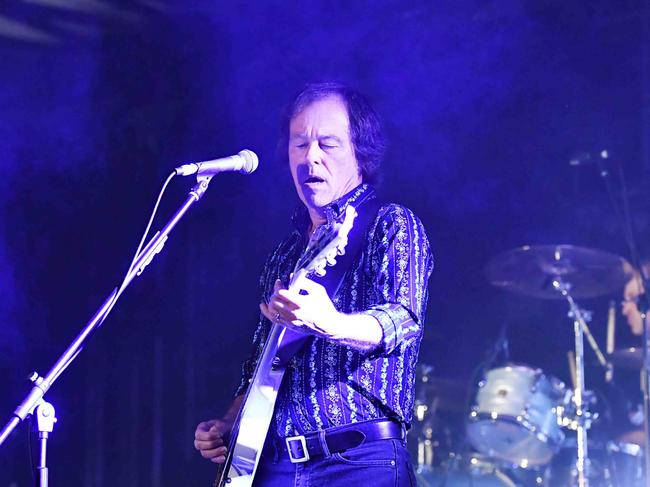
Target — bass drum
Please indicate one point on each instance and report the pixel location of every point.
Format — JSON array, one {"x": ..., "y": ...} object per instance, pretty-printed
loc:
[
  {"x": 515, "y": 415},
  {"x": 473, "y": 470},
  {"x": 625, "y": 466},
  {"x": 613, "y": 464}
]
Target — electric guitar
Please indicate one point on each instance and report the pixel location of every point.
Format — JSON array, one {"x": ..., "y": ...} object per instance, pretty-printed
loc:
[{"x": 251, "y": 426}]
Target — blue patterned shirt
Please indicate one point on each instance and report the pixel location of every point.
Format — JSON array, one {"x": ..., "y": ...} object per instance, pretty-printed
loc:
[{"x": 327, "y": 384}]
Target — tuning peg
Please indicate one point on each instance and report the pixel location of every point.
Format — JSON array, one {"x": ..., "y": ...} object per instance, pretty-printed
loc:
[
  {"x": 340, "y": 250},
  {"x": 319, "y": 267}
]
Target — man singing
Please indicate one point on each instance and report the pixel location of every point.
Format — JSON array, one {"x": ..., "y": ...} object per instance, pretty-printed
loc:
[{"x": 350, "y": 389}]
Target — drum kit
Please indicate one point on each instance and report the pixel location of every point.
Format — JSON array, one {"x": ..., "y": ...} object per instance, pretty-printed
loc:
[{"x": 525, "y": 427}]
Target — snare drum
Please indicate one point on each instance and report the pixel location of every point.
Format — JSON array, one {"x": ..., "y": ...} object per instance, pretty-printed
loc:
[{"x": 514, "y": 416}]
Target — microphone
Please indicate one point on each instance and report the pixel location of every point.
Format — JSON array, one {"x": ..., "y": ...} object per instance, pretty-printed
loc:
[{"x": 245, "y": 162}]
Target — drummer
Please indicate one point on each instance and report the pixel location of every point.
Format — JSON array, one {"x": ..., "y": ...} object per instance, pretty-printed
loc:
[
  {"x": 631, "y": 293},
  {"x": 630, "y": 310}
]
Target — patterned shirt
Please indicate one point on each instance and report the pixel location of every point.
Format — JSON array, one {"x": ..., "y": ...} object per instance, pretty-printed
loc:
[{"x": 327, "y": 384}]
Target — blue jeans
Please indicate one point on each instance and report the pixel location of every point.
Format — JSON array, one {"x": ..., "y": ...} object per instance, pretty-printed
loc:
[{"x": 382, "y": 463}]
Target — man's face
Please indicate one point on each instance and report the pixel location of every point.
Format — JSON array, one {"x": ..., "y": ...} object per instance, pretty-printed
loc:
[
  {"x": 630, "y": 310},
  {"x": 321, "y": 155}
]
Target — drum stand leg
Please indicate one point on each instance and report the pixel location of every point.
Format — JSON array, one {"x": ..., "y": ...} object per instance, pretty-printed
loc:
[
  {"x": 582, "y": 414},
  {"x": 645, "y": 389},
  {"x": 582, "y": 461}
]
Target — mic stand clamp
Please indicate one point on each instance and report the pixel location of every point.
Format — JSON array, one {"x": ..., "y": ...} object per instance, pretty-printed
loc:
[{"x": 45, "y": 419}]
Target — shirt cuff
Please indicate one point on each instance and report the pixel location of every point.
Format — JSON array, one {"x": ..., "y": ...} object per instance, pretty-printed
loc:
[{"x": 395, "y": 322}]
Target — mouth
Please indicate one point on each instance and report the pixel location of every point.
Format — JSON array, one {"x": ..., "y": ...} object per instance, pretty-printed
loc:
[{"x": 313, "y": 181}]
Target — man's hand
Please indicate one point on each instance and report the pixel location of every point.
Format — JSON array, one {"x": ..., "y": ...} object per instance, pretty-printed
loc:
[
  {"x": 311, "y": 312},
  {"x": 209, "y": 439}
]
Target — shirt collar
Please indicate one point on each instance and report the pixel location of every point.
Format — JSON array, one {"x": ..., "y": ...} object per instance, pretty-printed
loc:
[{"x": 335, "y": 209}]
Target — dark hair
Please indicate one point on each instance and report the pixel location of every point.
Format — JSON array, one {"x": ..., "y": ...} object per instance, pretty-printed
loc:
[{"x": 366, "y": 131}]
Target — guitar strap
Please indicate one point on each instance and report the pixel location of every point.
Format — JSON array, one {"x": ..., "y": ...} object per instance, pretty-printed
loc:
[{"x": 367, "y": 209}]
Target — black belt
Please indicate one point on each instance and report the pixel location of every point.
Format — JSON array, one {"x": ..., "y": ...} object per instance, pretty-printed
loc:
[{"x": 304, "y": 447}]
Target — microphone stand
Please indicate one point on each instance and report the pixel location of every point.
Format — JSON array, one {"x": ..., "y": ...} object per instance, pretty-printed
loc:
[{"x": 34, "y": 399}]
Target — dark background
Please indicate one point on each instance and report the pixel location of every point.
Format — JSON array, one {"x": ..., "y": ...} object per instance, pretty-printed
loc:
[{"x": 485, "y": 103}]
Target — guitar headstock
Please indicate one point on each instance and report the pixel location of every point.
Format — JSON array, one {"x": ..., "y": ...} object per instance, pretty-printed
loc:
[{"x": 329, "y": 243}]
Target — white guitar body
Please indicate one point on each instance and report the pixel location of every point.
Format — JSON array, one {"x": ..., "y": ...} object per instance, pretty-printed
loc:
[{"x": 256, "y": 413}]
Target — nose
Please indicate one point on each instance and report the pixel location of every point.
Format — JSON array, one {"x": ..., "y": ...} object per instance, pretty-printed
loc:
[{"x": 314, "y": 153}]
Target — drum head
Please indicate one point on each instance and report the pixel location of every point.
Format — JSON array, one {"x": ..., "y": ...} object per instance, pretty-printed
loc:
[
  {"x": 509, "y": 440},
  {"x": 473, "y": 470},
  {"x": 514, "y": 415}
]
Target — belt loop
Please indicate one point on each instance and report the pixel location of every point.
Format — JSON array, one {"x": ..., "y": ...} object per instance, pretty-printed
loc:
[{"x": 323, "y": 444}]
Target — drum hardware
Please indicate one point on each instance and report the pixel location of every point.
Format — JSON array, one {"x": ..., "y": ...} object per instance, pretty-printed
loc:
[
  {"x": 627, "y": 358},
  {"x": 567, "y": 417},
  {"x": 612, "y": 464},
  {"x": 430, "y": 437},
  {"x": 423, "y": 420},
  {"x": 625, "y": 465},
  {"x": 627, "y": 448},
  {"x": 426, "y": 448},
  {"x": 514, "y": 416},
  {"x": 530, "y": 270},
  {"x": 475, "y": 470},
  {"x": 582, "y": 414},
  {"x": 421, "y": 411},
  {"x": 587, "y": 317},
  {"x": 610, "y": 342},
  {"x": 519, "y": 405},
  {"x": 565, "y": 272},
  {"x": 424, "y": 436}
]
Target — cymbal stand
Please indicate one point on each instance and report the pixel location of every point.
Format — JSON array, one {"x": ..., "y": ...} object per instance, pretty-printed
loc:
[
  {"x": 586, "y": 318},
  {"x": 581, "y": 411}
]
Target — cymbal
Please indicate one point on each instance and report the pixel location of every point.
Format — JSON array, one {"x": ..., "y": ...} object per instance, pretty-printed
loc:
[
  {"x": 627, "y": 358},
  {"x": 531, "y": 270}
]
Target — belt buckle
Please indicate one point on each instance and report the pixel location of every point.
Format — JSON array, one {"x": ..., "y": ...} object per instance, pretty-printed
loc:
[{"x": 300, "y": 445}]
